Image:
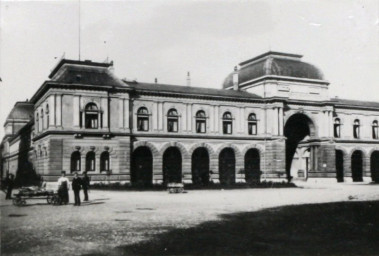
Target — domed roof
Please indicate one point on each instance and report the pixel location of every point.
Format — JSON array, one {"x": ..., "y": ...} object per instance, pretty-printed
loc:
[{"x": 274, "y": 64}]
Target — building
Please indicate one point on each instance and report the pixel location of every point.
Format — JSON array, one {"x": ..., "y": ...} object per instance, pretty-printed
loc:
[{"x": 272, "y": 120}]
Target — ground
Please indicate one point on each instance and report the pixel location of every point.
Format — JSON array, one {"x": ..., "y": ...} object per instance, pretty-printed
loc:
[{"x": 339, "y": 219}]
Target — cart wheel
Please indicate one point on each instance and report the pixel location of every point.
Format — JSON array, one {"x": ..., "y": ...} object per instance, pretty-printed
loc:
[
  {"x": 23, "y": 202},
  {"x": 49, "y": 199},
  {"x": 181, "y": 190},
  {"x": 56, "y": 200},
  {"x": 171, "y": 190}
]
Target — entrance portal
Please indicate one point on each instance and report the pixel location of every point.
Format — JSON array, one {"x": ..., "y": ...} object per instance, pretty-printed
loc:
[
  {"x": 298, "y": 129},
  {"x": 357, "y": 166},
  {"x": 172, "y": 165},
  {"x": 200, "y": 166},
  {"x": 142, "y": 167},
  {"x": 375, "y": 166},
  {"x": 252, "y": 166},
  {"x": 227, "y": 166},
  {"x": 339, "y": 165}
]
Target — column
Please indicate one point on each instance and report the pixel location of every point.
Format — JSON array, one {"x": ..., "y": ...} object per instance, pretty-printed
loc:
[
  {"x": 59, "y": 110},
  {"x": 126, "y": 114},
  {"x": 155, "y": 117},
  {"x": 189, "y": 117},
  {"x": 217, "y": 119},
  {"x": 274, "y": 121},
  {"x": 242, "y": 120},
  {"x": 104, "y": 108},
  {"x": 160, "y": 116},
  {"x": 330, "y": 123},
  {"x": 280, "y": 121},
  {"x": 120, "y": 113},
  {"x": 183, "y": 120},
  {"x": 76, "y": 111}
]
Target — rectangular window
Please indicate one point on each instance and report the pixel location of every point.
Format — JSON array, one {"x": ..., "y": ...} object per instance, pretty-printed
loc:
[
  {"x": 375, "y": 134},
  {"x": 172, "y": 126},
  {"x": 356, "y": 131},
  {"x": 142, "y": 124},
  {"x": 200, "y": 126},
  {"x": 252, "y": 129},
  {"x": 227, "y": 128}
]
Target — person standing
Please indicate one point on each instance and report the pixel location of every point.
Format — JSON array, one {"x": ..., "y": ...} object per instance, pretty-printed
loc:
[
  {"x": 85, "y": 184},
  {"x": 10, "y": 183},
  {"x": 63, "y": 188},
  {"x": 76, "y": 186}
]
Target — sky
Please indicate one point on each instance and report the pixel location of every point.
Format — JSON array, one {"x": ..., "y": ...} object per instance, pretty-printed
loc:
[{"x": 165, "y": 39}]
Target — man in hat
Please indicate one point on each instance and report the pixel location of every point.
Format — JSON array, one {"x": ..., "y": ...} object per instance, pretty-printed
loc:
[
  {"x": 76, "y": 186},
  {"x": 63, "y": 188}
]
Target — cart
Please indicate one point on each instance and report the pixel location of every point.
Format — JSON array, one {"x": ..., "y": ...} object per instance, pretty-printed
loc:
[
  {"x": 175, "y": 188},
  {"x": 33, "y": 192}
]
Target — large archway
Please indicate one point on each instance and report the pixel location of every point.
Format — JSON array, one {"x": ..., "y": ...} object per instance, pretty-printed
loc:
[
  {"x": 227, "y": 166},
  {"x": 200, "y": 166},
  {"x": 142, "y": 167},
  {"x": 339, "y": 165},
  {"x": 252, "y": 166},
  {"x": 357, "y": 166},
  {"x": 172, "y": 165},
  {"x": 375, "y": 166},
  {"x": 298, "y": 129}
]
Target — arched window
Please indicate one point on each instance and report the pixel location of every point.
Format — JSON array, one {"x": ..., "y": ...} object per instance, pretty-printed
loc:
[
  {"x": 47, "y": 116},
  {"x": 356, "y": 129},
  {"x": 42, "y": 123},
  {"x": 91, "y": 116},
  {"x": 90, "y": 162},
  {"x": 375, "y": 132},
  {"x": 252, "y": 124},
  {"x": 142, "y": 119},
  {"x": 201, "y": 122},
  {"x": 337, "y": 128},
  {"x": 104, "y": 161},
  {"x": 75, "y": 161},
  {"x": 172, "y": 120},
  {"x": 227, "y": 123},
  {"x": 37, "y": 122}
]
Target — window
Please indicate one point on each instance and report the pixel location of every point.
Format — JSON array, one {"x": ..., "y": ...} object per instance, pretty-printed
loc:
[
  {"x": 42, "y": 123},
  {"x": 227, "y": 122},
  {"x": 104, "y": 161},
  {"x": 91, "y": 116},
  {"x": 200, "y": 122},
  {"x": 47, "y": 116},
  {"x": 90, "y": 162},
  {"x": 142, "y": 119},
  {"x": 75, "y": 161},
  {"x": 172, "y": 120},
  {"x": 337, "y": 128},
  {"x": 375, "y": 132},
  {"x": 252, "y": 124},
  {"x": 356, "y": 129}
]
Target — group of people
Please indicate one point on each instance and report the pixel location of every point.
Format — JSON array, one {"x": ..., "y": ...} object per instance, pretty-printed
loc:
[{"x": 77, "y": 184}]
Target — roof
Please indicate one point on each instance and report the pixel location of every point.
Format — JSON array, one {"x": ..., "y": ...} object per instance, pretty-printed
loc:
[
  {"x": 201, "y": 91},
  {"x": 78, "y": 62},
  {"x": 274, "y": 64},
  {"x": 22, "y": 110},
  {"x": 86, "y": 73},
  {"x": 355, "y": 103}
]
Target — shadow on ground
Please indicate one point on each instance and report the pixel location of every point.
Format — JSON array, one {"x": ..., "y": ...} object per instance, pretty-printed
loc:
[{"x": 346, "y": 228}]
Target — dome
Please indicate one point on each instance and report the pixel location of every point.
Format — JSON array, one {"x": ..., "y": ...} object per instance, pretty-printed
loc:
[{"x": 274, "y": 64}]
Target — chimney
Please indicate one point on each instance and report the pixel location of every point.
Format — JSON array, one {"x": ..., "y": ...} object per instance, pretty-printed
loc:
[
  {"x": 156, "y": 80},
  {"x": 188, "y": 79},
  {"x": 235, "y": 79}
]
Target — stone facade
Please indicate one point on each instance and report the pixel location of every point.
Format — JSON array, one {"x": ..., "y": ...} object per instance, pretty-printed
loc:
[{"x": 272, "y": 124}]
